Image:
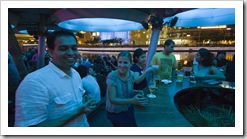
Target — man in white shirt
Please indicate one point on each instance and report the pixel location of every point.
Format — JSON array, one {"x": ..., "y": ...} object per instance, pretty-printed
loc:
[{"x": 52, "y": 96}]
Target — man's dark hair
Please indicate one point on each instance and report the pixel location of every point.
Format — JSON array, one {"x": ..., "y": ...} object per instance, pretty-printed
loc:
[
  {"x": 52, "y": 37},
  {"x": 168, "y": 42}
]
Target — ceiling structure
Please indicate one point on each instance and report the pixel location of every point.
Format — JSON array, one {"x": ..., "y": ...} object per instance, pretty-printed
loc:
[{"x": 30, "y": 18}]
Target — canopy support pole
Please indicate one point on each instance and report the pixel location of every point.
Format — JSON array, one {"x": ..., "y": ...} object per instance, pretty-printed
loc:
[
  {"x": 41, "y": 46},
  {"x": 157, "y": 24},
  {"x": 152, "y": 46}
]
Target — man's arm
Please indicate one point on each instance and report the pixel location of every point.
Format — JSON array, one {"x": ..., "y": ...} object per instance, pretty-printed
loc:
[{"x": 67, "y": 118}]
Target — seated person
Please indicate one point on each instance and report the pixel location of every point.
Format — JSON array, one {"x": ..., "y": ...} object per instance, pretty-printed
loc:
[
  {"x": 98, "y": 66},
  {"x": 230, "y": 70},
  {"x": 89, "y": 83},
  {"x": 139, "y": 58},
  {"x": 220, "y": 60},
  {"x": 92, "y": 72},
  {"x": 205, "y": 68},
  {"x": 113, "y": 62}
]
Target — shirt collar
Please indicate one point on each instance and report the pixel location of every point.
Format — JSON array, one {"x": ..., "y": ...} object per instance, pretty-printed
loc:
[{"x": 58, "y": 71}]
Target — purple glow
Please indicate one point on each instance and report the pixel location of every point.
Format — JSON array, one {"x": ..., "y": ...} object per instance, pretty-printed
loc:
[{"x": 100, "y": 25}]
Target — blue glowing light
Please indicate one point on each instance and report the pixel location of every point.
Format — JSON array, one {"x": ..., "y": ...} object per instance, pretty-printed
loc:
[
  {"x": 23, "y": 31},
  {"x": 100, "y": 25},
  {"x": 204, "y": 17},
  {"x": 26, "y": 32}
]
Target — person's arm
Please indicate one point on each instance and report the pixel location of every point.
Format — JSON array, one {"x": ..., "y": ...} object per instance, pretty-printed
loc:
[
  {"x": 174, "y": 68},
  {"x": 115, "y": 67},
  {"x": 140, "y": 78},
  {"x": 67, "y": 118},
  {"x": 136, "y": 100},
  {"x": 215, "y": 73}
]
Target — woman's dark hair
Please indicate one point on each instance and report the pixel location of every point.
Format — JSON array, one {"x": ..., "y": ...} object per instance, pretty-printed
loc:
[
  {"x": 207, "y": 57},
  {"x": 52, "y": 37},
  {"x": 137, "y": 53},
  {"x": 82, "y": 70},
  {"x": 168, "y": 42}
]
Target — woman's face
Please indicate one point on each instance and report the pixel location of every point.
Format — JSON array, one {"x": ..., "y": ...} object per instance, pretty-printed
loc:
[
  {"x": 90, "y": 71},
  {"x": 141, "y": 59},
  {"x": 198, "y": 57},
  {"x": 123, "y": 65}
]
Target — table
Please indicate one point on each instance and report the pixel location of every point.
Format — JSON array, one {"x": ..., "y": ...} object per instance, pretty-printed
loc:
[{"x": 161, "y": 111}]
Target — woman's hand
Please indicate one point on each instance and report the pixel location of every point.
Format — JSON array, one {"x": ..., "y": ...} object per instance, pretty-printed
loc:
[{"x": 140, "y": 100}]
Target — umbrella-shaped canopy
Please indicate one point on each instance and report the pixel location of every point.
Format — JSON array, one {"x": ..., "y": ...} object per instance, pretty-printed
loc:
[
  {"x": 203, "y": 17},
  {"x": 108, "y": 19}
]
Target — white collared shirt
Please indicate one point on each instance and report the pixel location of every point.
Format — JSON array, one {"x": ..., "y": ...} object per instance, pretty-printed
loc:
[
  {"x": 47, "y": 94},
  {"x": 92, "y": 87}
]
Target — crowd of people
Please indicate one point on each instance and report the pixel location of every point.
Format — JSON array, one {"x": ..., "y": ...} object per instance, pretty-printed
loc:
[{"x": 62, "y": 92}]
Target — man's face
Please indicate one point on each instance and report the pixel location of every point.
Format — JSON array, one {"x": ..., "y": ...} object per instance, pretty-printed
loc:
[
  {"x": 65, "y": 52},
  {"x": 169, "y": 48}
]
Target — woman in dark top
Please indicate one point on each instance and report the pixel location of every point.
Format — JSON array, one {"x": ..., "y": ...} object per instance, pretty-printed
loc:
[
  {"x": 220, "y": 60},
  {"x": 139, "y": 58}
]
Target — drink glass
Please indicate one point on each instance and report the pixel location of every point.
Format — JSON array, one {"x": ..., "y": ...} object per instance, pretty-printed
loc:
[
  {"x": 157, "y": 80},
  {"x": 87, "y": 98},
  {"x": 192, "y": 79},
  {"x": 187, "y": 71},
  {"x": 180, "y": 77},
  {"x": 151, "y": 87}
]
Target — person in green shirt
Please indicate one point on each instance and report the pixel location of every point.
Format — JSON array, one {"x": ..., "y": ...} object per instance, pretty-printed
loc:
[{"x": 166, "y": 60}]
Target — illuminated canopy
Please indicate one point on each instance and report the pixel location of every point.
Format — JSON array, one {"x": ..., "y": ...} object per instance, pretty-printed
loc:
[
  {"x": 100, "y": 19},
  {"x": 100, "y": 25},
  {"x": 204, "y": 17}
]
